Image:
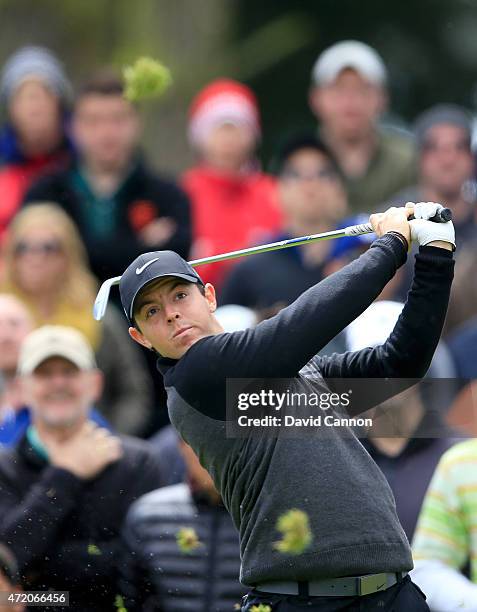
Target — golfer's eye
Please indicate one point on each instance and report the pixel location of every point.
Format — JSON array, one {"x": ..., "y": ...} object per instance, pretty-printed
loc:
[
  {"x": 181, "y": 295},
  {"x": 151, "y": 311}
]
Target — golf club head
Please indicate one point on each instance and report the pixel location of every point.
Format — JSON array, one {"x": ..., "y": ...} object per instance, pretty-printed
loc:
[{"x": 101, "y": 301}]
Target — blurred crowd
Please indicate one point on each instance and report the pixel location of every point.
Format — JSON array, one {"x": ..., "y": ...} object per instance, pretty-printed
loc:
[{"x": 98, "y": 495}]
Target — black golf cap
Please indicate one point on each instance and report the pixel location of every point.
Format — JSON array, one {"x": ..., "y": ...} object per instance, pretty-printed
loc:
[{"x": 149, "y": 267}]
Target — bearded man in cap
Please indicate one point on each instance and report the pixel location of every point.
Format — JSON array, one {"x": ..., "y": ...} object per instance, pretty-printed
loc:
[{"x": 66, "y": 487}]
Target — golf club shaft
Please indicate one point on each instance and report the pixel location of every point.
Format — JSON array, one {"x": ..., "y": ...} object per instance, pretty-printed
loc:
[
  {"x": 353, "y": 230},
  {"x": 100, "y": 304},
  {"x": 282, "y": 244}
]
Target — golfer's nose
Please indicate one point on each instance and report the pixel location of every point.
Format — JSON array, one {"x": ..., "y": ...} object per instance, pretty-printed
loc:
[{"x": 173, "y": 316}]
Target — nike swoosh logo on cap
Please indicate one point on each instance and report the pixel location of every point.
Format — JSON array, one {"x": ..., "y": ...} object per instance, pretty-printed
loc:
[{"x": 142, "y": 268}]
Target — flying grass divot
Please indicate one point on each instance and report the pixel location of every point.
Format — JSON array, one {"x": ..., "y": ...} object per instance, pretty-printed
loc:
[
  {"x": 297, "y": 536},
  {"x": 94, "y": 550},
  {"x": 119, "y": 604},
  {"x": 187, "y": 540},
  {"x": 145, "y": 79}
]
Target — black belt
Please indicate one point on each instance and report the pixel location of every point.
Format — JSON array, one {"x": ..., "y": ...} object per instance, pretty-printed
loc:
[{"x": 351, "y": 586}]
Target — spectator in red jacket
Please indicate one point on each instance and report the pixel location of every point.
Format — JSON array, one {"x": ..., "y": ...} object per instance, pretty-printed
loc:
[
  {"x": 35, "y": 93},
  {"x": 233, "y": 204}
]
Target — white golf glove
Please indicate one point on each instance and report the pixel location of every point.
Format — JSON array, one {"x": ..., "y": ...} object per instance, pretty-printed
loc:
[{"x": 424, "y": 231}]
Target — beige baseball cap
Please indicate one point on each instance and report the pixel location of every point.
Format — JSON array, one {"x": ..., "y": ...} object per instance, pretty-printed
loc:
[{"x": 55, "y": 341}]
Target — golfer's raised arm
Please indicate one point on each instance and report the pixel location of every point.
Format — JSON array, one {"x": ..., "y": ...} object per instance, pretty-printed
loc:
[
  {"x": 279, "y": 347},
  {"x": 409, "y": 349}
]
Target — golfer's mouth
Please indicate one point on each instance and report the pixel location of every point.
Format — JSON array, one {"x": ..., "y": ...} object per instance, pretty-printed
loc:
[{"x": 181, "y": 331}]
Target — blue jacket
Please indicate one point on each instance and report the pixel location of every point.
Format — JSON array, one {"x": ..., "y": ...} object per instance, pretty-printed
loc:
[{"x": 15, "y": 423}]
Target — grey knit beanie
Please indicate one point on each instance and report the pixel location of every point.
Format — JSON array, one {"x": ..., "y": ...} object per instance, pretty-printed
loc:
[
  {"x": 449, "y": 114},
  {"x": 36, "y": 62}
]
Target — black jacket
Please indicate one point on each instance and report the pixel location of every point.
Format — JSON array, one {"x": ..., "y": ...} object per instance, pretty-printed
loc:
[
  {"x": 64, "y": 531},
  {"x": 143, "y": 197},
  {"x": 157, "y": 575}
]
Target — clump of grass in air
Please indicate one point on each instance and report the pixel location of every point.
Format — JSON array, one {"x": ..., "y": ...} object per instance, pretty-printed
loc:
[
  {"x": 297, "y": 536},
  {"x": 119, "y": 604},
  {"x": 94, "y": 550},
  {"x": 146, "y": 78},
  {"x": 187, "y": 539}
]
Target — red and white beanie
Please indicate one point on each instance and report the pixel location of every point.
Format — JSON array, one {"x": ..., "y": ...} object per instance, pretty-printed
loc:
[{"x": 222, "y": 101}]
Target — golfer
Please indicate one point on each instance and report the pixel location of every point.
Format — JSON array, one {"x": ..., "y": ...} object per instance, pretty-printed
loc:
[{"x": 359, "y": 557}]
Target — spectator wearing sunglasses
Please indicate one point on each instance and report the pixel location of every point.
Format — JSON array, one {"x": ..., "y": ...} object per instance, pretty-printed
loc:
[
  {"x": 45, "y": 267},
  {"x": 313, "y": 200}
]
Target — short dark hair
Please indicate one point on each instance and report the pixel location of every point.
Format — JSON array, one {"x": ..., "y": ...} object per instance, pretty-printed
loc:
[
  {"x": 297, "y": 142},
  {"x": 103, "y": 83}
]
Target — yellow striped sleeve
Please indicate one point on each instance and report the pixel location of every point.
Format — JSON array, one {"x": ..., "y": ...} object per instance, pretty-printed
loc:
[{"x": 443, "y": 529}]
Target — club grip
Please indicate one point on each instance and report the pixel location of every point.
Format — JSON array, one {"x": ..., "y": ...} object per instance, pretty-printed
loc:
[{"x": 442, "y": 216}]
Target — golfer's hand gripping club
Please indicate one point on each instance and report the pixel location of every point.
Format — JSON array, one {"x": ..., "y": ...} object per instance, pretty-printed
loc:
[
  {"x": 430, "y": 211},
  {"x": 424, "y": 212},
  {"x": 423, "y": 232}
]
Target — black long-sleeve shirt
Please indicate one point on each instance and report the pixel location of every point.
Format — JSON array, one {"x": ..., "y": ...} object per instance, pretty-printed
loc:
[{"x": 332, "y": 478}]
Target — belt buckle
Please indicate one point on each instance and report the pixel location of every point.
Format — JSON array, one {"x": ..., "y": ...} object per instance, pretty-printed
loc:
[{"x": 372, "y": 584}]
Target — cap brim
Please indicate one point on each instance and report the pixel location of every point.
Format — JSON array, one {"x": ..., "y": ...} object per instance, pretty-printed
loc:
[
  {"x": 30, "y": 364},
  {"x": 369, "y": 73},
  {"x": 188, "y": 277}
]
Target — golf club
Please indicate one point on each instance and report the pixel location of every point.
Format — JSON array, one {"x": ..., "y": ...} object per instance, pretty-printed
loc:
[{"x": 102, "y": 298}]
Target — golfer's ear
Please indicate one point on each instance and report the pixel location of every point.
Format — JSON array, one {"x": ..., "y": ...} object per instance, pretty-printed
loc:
[
  {"x": 210, "y": 297},
  {"x": 139, "y": 338}
]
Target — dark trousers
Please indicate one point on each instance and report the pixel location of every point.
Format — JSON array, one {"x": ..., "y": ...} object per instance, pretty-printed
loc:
[{"x": 402, "y": 597}]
